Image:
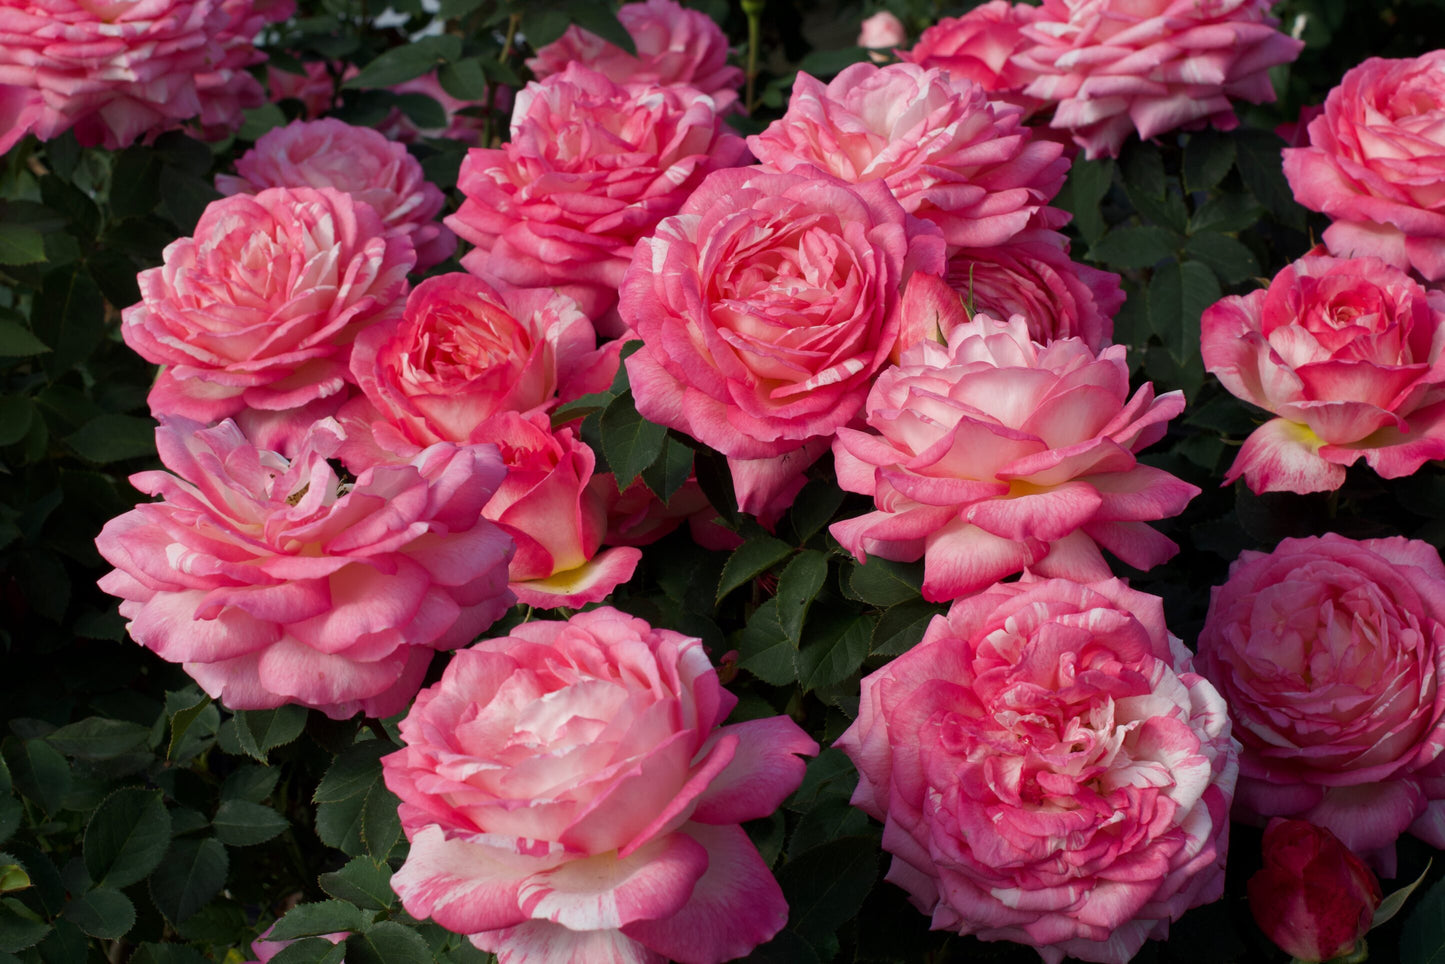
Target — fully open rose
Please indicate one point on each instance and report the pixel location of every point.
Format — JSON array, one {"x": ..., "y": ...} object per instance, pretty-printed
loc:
[
  {"x": 570, "y": 795},
  {"x": 1049, "y": 770},
  {"x": 1331, "y": 652},
  {"x": 992, "y": 454},
  {"x": 277, "y": 582}
]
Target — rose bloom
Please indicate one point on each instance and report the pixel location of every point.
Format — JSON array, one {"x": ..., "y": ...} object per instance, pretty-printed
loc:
[
  {"x": 1376, "y": 162},
  {"x": 259, "y": 308},
  {"x": 676, "y": 47},
  {"x": 882, "y": 31},
  {"x": 765, "y": 309},
  {"x": 1314, "y": 898},
  {"x": 226, "y": 88},
  {"x": 980, "y": 45},
  {"x": 275, "y": 581},
  {"x": 1049, "y": 770},
  {"x": 570, "y": 795},
  {"x": 1330, "y": 652},
  {"x": 947, "y": 153},
  {"x": 591, "y": 168},
  {"x": 1152, "y": 66},
  {"x": 991, "y": 454},
  {"x": 1347, "y": 352},
  {"x": 357, "y": 160}
]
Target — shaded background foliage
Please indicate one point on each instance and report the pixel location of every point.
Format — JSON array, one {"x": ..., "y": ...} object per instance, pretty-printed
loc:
[{"x": 140, "y": 822}]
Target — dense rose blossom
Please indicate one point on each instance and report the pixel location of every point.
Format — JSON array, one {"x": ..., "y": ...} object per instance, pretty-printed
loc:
[
  {"x": 1152, "y": 66},
  {"x": 1049, "y": 770},
  {"x": 882, "y": 32},
  {"x": 1347, "y": 352},
  {"x": 1312, "y": 897},
  {"x": 676, "y": 47},
  {"x": 1330, "y": 652},
  {"x": 570, "y": 795},
  {"x": 357, "y": 160},
  {"x": 947, "y": 152},
  {"x": 991, "y": 454},
  {"x": 591, "y": 168},
  {"x": 765, "y": 309},
  {"x": 980, "y": 45},
  {"x": 1376, "y": 163},
  {"x": 260, "y": 307},
  {"x": 274, "y": 581}
]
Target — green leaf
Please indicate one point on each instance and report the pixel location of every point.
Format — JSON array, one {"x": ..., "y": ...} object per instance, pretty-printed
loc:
[
  {"x": 17, "y": 341},
  {"x": 1395, "y": 900},
  {"x": 813, "y": 508},
  {"x": 98, "y": 738},
  {"x": 181, "y": 721},
  {"x": 1230, "y": 260},
  {"x": 16, "y": 413},
  {"x": 630, "y": 442},
  {"x": 1178, "y": 295},
  {"x": 407, "y": 62},
  {"x": 40, "y": 773},
  {"x": 250, "y": 783},
  {"x": 423, "y": 110},
  {"x": 311, "y": 950},
  {"x": 764, "y": 650},
  {"x": 259, "y": 120},
  {"x": 192, "y": 872},
  {"x": 135, "y": 183},
  {"x": 380, "y": 822},
  {"x": 185, "y": 197},
  {"x": 832, "y": 818},
  {"x": 1227, "y": 213},
  {"x": 829, "y": 774},
  {"x": 833, "y": 649},
  {"x": 13, "y": 876},
  {"x": 464, "y": 79},
  {"x": 1423, "y": 939},
  {"x": 314, "y": 920},
  {"x": 363, "y": 881},
  {"x": 1261, "y": 166},
  {"x": 149, "y": 953},
  {"x": 387, "y": 943},
  {"x": 127, "y": 837},
  {"x": 103, "y": 913},
  {"x": 543, "y": 23},
  {"x": 240, "y": 823},
  {"x": 1134, "y": 247},
  {"x": 1207, "y": 158},
  {"x": 798, "y": 584},
  {"x": 353, "y": 773},
  {"x": 902, "y": 626},
  {"x": 1143, "y": 168},
  {"x": 1083, "y": 194},
  {"x": 750, "y": 560},
  {"x": 21, "y": 244},
  {"x": 20, "y": 927},
  {"x": 261, "y": 731},
  {"x": 69, "y": 316},
  {"x": 826, "y": 886},
  {"x": 884, "y": 583},
  {"x": 669, "y": 470},
  {"x": 11, "y": 810}
]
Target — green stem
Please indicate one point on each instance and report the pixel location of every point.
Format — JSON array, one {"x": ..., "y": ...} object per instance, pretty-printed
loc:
[{"x": 754, "y": 11}]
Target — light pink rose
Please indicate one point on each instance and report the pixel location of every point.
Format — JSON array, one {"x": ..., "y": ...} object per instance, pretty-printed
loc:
[
  {"x": 980, "y": 45},
  {"x": 947, "y": 153},
  {"x": 570, "y": 795},
  {"x": 1330, "y": 653},
  {"x": 259, "y": 308},
  {"x": 882, "y": 32},
  {"x": 992, "y": 454},
  {"x": 765, "y": 309},
  {"x": 1376, "y": 163},
  {"x": 1049, "y": 770},
  {"x": 676, "y": 47},
  {"x": 1347, "y": 352},
  {"x": 277, "y": 582},
  {"x": 357, "y": 160},
  {"x": 591, "y": 168},
  {"x": 1152, "y": 66}
]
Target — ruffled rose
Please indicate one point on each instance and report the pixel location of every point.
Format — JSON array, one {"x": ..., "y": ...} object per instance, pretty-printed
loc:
[
  {"x": 1112, "y": 66},
  {"x": 676, "y": 47},
  {"x": 591, "y": 168},
  {"x": 1376, "y": 163},
  {"x": 260, "y": 307},
  {"x": 1347, "y": 352},
  {"x": 570, "y": 795},
  {"x": 980, "y": 45},
  {"x": 1330, "y": 652},
  {"x": 276, "y": 582},
  {"x": 357, "y": 160},
  {"x": 1049, "y": 770},
  {"x": 992, "y": 454},
  {"x": 765, "y": 309},
  {"x": 947, "y": 153}
]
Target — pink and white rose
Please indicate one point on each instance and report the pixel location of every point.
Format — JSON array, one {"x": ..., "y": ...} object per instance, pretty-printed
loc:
[
  {"x": 1375, "y": 163},
  {"x": 992, "y": 454},
  {"x": 1347, "y": 354},
  {"x": 226, "y": 88},
  {"x": 260, "y": 307},
  {"x": 275, "y": 581},
  {"x": 980, "y": 45},
  {"x": 571, "y": 795},
  {"x": 1049, "y": 770},
  {"x": 765, "y": 308},
  {"x": 1331, "y": 652},
  {"x": 948, "y": 154},
  {"x": 882, "y": 32},
  {"x": 357, "y": 160}
]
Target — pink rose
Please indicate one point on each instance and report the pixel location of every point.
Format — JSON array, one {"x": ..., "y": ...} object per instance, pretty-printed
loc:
[
  {"x": 1112, "y": 66},
  {"x": 765, "y": 309},
  {"x": 570, "y": 795},
  {"x": 980, "y": 45},
  {"x": 315, "y": 88},
  {"x": 1376, "y": 163},
  {"x": 947, "y": 153},
  {"x": 260, "y": 307},
  {"x": 992, "y": 454},
  {"x": 1049, "y": 770},
  {"x": 226, "y": 88},
  {"x": 1348, "y": 354},
  {"x": 881, "y": 32},
  {"x": 676, "y": 47},
  {"x": 1330, "y": 652},
  {"x": 591, "y": 168},
  {"x": 277, "y": 582},
  {"x": 357, "y": 160}
]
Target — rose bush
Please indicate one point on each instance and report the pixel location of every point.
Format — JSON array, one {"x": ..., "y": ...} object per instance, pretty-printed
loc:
[
  {"x": 570, "y": 794},
  {"x": 1049, "y": 770}
]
